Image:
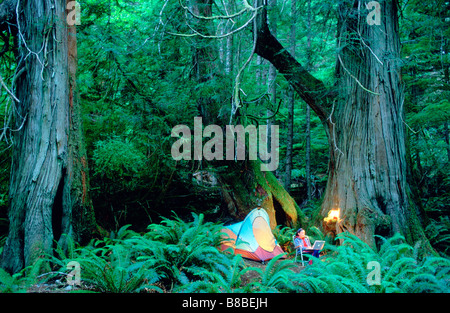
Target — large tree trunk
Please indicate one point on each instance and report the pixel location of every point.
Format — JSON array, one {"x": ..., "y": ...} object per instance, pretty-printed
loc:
[
  {"x": 48, "y": 189},
  {"x": 367, "y": 169},
  {"x": 367, "y": 174}
]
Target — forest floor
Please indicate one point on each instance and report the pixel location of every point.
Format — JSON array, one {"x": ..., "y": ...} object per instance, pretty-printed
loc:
[
  {"x": 60, "y": 286},
  {"x": 252, "y": 275}
]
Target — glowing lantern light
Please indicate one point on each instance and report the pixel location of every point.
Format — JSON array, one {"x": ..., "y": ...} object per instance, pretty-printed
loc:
[{"x": 333, "y": 216}]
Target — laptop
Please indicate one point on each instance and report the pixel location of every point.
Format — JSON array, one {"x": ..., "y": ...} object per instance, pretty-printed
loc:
[{"x": 318, "y": 245}]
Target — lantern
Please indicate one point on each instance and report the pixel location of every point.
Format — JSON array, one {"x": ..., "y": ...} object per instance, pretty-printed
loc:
[{"x": 333, "y": 216}]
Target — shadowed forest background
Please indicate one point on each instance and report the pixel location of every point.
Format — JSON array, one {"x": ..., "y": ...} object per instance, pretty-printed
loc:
[{"x": 146, "y": 66}]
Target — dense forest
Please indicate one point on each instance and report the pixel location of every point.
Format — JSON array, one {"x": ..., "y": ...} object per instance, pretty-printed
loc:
[{"x": 120, "y": 152}]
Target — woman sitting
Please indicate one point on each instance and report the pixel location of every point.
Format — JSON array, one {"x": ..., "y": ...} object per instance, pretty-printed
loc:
[{"x": 301, "y": 241}]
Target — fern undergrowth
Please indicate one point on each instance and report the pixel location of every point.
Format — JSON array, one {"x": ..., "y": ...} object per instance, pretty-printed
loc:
[
  {"x": 180, "y": 256},
  {"x": 345, "y": 269}
]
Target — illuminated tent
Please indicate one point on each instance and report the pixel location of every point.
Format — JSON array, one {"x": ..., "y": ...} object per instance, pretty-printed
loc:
[{"x": 252, "y": 238}]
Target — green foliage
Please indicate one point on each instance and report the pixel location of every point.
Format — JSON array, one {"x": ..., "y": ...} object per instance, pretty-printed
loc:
[
  {"x": 22, "y": 281},
  {"x": 224, "y": 279},
  {"x": 173, "y": 254},
  {"x": 136, "y": 83},
  {"x": 284, "y": 235},
  {"x": 11, "y": 283},
  {"x": 4, "y": 222},
  {"x": 274, "y": 278},
  {"x": 110, "y": 269},
  {"x": 345, "y": 269},
  {"x": 134, "y": 88},
  {"x": 424, "y": 30},
  {"x": 183, "y": 250},
  {"x": 5, "y": 167},
  {"x": 438, "y": 232},
  {"x": 115, "y": 158},
  {"x": 180, "y": 256}
]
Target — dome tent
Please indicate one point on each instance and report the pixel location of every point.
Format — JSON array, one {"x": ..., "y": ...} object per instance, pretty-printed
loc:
[{"x": 252, "y": 238}]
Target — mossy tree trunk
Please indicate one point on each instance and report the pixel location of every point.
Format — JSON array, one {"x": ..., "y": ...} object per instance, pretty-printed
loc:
[
  {"x": 49, "y": 180},
  {"x": 245, "y": 187}
]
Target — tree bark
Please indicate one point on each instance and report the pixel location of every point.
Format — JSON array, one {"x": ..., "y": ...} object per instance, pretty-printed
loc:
[
  {"x": 78, "y": 219},
  {"x": 49, "y": 187},
  {"x": 367, "y": 178}
]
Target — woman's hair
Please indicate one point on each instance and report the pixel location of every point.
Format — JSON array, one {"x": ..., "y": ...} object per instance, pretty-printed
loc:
[{"x": 299, "y": 230}]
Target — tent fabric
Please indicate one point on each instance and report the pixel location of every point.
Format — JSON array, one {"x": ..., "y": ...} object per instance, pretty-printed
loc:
[{"x": 252, "y": 238}]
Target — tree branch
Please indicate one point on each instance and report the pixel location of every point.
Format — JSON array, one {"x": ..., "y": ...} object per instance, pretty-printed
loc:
[{"x": 310, "y": 89}]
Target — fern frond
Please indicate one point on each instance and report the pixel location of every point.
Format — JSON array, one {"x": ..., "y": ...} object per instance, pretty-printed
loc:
[
  {"x": 124, "y": 233},
  {"x": 423, "y": 283},
  {"x": 355, "y": 286},
  {"x": 277, "y": 273},
  {"x": 306, "y": 283},
  {"x": 12, "y": 283},
  {"x": 353, "y": 241},
  {"x": 400, "y": 268}
]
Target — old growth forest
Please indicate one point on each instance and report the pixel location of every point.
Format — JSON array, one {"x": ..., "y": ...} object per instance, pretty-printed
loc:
[{"x": 109, "y": 183}]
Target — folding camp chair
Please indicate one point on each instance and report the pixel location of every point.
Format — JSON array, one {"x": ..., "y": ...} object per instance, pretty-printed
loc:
[
  {"x": 297, "y": 252},
  {"x": 317, "y": 247}
]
